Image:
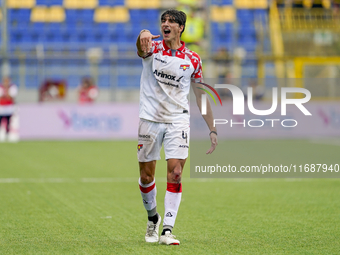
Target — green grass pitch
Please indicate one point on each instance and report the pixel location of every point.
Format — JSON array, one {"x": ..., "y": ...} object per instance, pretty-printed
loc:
[{"x": 83, "y": 198}]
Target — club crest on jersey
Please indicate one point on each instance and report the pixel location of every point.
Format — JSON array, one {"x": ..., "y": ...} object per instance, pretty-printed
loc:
[
  {"x": 140, "y": 146},
  {"x": 184, "y": 67}
]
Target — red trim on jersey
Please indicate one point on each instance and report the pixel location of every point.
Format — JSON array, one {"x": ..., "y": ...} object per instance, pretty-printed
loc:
[
  {"x": 180, "y": 48},
  {"x": 174, "y": 187},
  {"x": 148, "y": 189}
]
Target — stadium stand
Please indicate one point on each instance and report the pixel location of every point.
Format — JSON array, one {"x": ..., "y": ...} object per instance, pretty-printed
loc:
[{"x": 60, "y": 28}]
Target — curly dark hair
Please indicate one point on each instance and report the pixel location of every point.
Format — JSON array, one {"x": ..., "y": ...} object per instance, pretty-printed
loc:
[{"x": 177, "y": 16}]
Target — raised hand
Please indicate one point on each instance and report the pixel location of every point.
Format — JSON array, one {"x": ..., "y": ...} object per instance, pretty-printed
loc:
[{"x": 145, "y": 41}]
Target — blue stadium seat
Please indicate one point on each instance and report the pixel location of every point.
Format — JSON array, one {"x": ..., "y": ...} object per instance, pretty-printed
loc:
[
  {"x": 49, "y": 2},
  {"x": 222, "y": 2},
  {"x": 247, "y": 29},
  {"x": 248, "y": 45},
  {"x": 16, "y": 37},
  {"x": 117, "y": 2},
  {"x": 245, "y": 15},
  {"x": 87, "y": 14},
  {"x": 18, "y": 17},
  {"x": 153, "y": 14},
  {"x": 111, "y": 2},
  {"x": 221, "y": 28},
  {"x": 79, "y": 16},
  {"x": 103, "y": 2}
]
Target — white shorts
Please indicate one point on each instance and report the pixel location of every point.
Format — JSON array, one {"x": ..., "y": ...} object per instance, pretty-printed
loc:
[{"x": 151, "y": 135}]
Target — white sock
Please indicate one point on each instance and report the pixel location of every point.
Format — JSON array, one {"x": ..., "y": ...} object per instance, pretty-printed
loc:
[
  {"x": 149, "y": 192},
  {"x": 172, "y": 200}
]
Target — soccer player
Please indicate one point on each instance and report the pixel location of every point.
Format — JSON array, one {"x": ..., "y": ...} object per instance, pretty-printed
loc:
[
  {"x": 168, "y": 70},
  {"x": 8, "y": 92}
]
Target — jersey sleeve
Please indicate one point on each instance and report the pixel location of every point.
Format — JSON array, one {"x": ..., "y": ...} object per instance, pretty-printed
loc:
[
  {"x": 197, "y": 75},
  {"x": 154, "y": 49}
]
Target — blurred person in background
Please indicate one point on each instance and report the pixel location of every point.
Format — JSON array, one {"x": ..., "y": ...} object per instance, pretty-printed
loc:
[
  {"x": 195, "y": 26},
  {"x": 88, "y": 91},
  {"x": 52, "y": 90},
  {"x": 8, "y": 92}
]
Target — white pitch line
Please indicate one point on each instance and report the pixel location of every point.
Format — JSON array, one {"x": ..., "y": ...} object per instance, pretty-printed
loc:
[{"x": 135, "y": 180}]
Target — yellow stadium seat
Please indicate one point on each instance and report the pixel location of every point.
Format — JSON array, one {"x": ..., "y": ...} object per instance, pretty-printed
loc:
[
  {"x": 80, "y": 4},
  {"x": 143, "y": 4},
  {"x": 216, "y": 13},
  {"x": 251, "y": 4},
  {"x": 27, "y": 4},
  {"x": 45, "y": 14},
  {"x": 243, "y": 4},
  {"x": 39, "y": 14},
  {"x": 119, "y": 14},
  {"x": 229, "y": 14},
  {"x": 222, "y": 14},
  {"x": 115, "y": 14},
  {"x": 260, "y": 4},
  {"x": 102, "y": 14},
  {"x": 56, "y": 14}
]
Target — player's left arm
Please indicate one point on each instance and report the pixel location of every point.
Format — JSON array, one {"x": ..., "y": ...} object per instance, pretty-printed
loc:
[{"x": 209, "y": 117}]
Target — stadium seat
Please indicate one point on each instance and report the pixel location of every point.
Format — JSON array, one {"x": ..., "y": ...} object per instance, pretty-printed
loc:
[
  {"x": 251, "y": 4},
  {"x": 142, "y": 4},
  {"x": 80, "y": 4},
  {"x": 57, "y": 14},
  {"x": 245, "y": 15},
  {"x": 260, "y": 4},
  {"x": 247, "y": 29},
  {"x": 222, "y": 14},
  {"x": 19, "y": 14},
  {"x": 46, "y": 14},
  {"x": 222, "y": 2},
  {"x": 111, "y": 3},
  {"x": 49, "y": 2},
  {"x": 220, "y": 28},
  {"x": 20, "y": 4},
  {"x": 108, "y": 14},
  {"x": 39, "y": 14},
  {"x": 247, "y": 42}
]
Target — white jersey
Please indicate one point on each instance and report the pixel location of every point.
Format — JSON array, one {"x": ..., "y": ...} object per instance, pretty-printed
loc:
[{"x": 165, "y": 83}]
